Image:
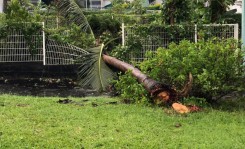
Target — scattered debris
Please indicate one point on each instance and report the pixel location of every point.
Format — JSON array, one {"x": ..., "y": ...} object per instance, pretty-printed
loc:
[
  {"x": 194, "y": 108},
  {"x": 182, "y": 109},
  {"x": 168, "y": 111},
  {"x": 64, "y": 101},
  {"x": 126, "y": 101},
  {"x": 177, "y": 125},
  {"x": 2, "y": 104},
  {"x": 22, "y": 105},
  {"x": 112, "y": 102},
  {"x": 94, "y": 104},
  {"x": 79, "y": 104},
  {"x": 85, "y": 100}
]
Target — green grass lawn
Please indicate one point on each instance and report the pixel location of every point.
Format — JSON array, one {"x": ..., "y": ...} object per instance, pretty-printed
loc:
[{"x": 35, "y": 122}]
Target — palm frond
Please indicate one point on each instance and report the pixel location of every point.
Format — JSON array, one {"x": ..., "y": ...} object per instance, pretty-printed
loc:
[
  {"x": 93, "y": 71},
  {"x": 70, "y": 10}
]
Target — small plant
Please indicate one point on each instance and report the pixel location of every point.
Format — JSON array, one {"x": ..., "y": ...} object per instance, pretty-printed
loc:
[
  {"x": 121, "y": 52},
  {"x": 73, "y": 35},
  {"x": 130, "y": 89},
  {"x": 201, "y": 102}
]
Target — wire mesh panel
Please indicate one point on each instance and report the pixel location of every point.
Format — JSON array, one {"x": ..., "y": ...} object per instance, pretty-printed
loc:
[
  {"x": 61, "y": 53},
  {"x": 156, "y": 36},
  {"x": 15, "y": 47},
  {"x": 223, "y": 31},
  {"x": 53, "y": 22},
  {"x": 153, "y": 37}
]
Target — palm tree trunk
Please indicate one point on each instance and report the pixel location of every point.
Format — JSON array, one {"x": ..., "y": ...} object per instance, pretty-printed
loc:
[{"x": 156, "y": 89}]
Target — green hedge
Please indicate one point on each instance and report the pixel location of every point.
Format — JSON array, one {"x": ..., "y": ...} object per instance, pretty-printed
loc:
[{"x": 216, "y": 65}]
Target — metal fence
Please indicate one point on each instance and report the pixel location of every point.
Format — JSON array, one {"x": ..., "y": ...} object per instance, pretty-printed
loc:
[
  {"x": 57, "y": 53},
  {"x": 15, "y": 48},
  {"x": 162, "y": 36}
]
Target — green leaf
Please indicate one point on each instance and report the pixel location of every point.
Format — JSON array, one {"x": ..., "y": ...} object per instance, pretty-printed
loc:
[
  {"x": 70, "y": 10},
  {"x": 93, "y": 71}
]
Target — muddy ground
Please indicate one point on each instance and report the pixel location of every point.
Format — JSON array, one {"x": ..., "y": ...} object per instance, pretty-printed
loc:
[
  {"x": 33, "y": 78},
  {"x": 45, "y": 87}
]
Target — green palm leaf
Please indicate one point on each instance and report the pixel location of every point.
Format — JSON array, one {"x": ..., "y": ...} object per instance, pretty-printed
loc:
[
  {"x": 70, "y": 10},
  {"x": 93, "y": 71}
]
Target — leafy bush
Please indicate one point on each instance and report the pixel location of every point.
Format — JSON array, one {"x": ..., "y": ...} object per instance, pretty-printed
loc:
[
  {"x": 106, "y": 29},
  {"x": 104, "y": 23},
  {"x": 201, "y": 102},
  {"x": 17, "y": 17},
  {"x": 216, "y": 65},
  {"x": 154, "y": 7},
  {"x": 121, "y": 52},
  {"x": 130, "y": 89},
  {"x": 73, "y": 35},
  {"x": 132, "y": 49}
]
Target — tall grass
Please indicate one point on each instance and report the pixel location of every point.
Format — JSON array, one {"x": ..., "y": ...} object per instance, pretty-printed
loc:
[{"x": 35, "y": 122}]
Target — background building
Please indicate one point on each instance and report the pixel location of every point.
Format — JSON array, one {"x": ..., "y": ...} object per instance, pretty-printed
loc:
[{"x": 237, "y": 6}]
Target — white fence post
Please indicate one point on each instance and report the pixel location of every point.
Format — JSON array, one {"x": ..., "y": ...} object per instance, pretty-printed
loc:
[
  {"x": 236, "y": 28},
  {"x": 195, "y": 33},
  {"x": 44, "y": 48},
  {"x": 123, "y": 35}
]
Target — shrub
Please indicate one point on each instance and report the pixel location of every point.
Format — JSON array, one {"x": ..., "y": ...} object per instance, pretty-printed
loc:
[
  {"x": 17, "y": 17},
  {"x": 216, "y": 65},
  {"x": 201, "y": 102},
  {"x": 73, "y": 35},
  {"x": 130, "y": 89},
  {"x": 104, "y": 23},
  {"x": 121, "y": 52},
  {"x": 154, "y": 7}
]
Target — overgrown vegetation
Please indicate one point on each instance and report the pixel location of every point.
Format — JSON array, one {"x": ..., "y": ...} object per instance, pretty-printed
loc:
[
  {"x": 216, "y": 65},
  {"x": 17, "y": 18},
  {"x": 208, "y": 62},
  {"x": 72, "y": 35},
  {"x": 70, "y": 26},
  {"x": 129, "y": 89}
]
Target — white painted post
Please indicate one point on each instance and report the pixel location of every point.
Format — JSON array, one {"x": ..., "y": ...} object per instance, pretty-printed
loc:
[
  {"x": 1, "y": 6},
  {"x": 44, "y": 44},
  {"x": 236, "y": 31},
  {"x": 57, "y": 22},
  {"x": 86, "y": 4},
  {"x": 243, "y": 24},
  {"x": 123, "y": 35},
  {"x": 101, "y": 1},
  {"x": 195, "y": 33}
]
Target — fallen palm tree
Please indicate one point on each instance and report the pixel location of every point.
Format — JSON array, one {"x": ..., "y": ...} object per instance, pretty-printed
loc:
[
  {"x": 155, "y": 88},
  {"x": 94, "y": 72}
]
